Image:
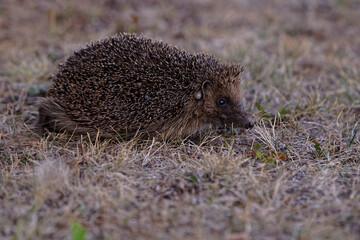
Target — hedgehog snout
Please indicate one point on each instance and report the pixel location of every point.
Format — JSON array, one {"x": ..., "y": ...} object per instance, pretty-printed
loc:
[
  {"x": 244, "y": 122},
  {"x": 250, "y": 123}
]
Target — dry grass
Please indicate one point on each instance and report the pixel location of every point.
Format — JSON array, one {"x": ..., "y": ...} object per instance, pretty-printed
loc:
[{"x": 296, "y": 175}]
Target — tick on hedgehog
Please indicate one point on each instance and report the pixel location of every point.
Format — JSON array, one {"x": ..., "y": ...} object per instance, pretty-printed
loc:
[{"x": 129, "y": 85}]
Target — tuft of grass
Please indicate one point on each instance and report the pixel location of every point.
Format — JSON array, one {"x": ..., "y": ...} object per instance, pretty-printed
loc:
[{"x": 354, "y": 133}]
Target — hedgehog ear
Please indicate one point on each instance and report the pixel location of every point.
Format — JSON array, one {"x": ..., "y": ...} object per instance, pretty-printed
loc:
[{"x": 206, "y": 87}]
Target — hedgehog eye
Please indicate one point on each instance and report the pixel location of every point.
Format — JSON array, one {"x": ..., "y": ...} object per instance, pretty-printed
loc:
[{"x": 221, "y": 102}]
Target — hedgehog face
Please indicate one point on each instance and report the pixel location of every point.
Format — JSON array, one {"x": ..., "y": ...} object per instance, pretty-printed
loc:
[{"x": 223, "y": 105}]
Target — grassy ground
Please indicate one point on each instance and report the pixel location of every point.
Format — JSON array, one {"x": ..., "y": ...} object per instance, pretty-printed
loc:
[{"x": 296, "y": 175}]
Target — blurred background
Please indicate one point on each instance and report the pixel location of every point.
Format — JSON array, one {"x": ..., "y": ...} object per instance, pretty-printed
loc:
[{"x": 285, "y": 44}]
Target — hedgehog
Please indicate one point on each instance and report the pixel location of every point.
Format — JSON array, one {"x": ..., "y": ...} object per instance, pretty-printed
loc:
[{"x": 129, "y": 85}]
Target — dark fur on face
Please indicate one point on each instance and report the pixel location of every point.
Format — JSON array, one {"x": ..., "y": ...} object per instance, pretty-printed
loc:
[
  {"x": 223, "y": 103},
  {"x": 128, "y": 84}
]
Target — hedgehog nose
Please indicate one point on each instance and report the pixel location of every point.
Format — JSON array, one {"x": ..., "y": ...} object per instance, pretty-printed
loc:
[{"x": 250, "y": 124}]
